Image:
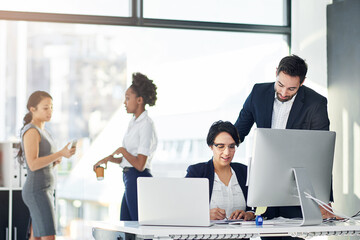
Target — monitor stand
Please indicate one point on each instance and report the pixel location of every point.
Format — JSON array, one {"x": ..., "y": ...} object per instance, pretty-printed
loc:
[{"x": 310, "y": 209}]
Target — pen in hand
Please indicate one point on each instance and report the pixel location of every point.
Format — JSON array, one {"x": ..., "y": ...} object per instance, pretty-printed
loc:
[{"x": 225, "y": 218}]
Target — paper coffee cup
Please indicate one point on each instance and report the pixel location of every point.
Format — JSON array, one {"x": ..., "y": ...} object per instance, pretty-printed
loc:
[{"x": 99, "y": 173}]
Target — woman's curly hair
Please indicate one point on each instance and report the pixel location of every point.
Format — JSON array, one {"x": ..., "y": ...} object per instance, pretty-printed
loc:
[{"x": 145, "y": 88}]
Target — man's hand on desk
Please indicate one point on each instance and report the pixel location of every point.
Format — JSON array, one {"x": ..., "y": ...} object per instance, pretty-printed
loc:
[{"x": 326, "y": 215}]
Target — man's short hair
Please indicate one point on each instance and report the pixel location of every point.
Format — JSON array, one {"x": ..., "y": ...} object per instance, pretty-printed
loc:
[{"x": 293, "y": 66}]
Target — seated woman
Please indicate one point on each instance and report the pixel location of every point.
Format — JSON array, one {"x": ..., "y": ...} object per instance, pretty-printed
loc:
[{"x": 227, "y": 180}]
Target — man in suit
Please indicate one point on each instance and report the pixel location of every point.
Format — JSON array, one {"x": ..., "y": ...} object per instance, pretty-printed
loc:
[{"x": 284, "y": 104}]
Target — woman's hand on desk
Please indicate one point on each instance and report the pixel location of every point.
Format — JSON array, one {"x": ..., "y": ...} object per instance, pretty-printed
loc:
[
  {"x": 241, "y": 214},
  {"x": 217, "y": 214}
]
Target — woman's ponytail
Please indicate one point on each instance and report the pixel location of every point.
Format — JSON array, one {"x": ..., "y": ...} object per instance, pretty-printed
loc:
[{"x": 27, "y": 119}]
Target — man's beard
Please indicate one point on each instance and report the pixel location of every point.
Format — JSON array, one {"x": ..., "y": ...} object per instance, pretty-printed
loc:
[{"x": 287, "y": 98}]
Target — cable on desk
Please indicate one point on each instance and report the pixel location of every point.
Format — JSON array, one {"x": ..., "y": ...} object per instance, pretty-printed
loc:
[
  {"x": 330, "y": 209},
  {"x": 356, "y": 214}
]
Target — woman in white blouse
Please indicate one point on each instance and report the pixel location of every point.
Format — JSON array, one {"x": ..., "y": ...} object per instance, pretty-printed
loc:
[
  {"x": 139, "y": 143},
  {"x": 227, "y": 180}
]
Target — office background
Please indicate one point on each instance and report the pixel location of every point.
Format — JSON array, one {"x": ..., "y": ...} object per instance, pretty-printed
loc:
[{"x": 203, "y": 72}]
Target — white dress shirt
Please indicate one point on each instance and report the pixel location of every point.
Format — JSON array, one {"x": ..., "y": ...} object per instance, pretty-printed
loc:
[
  {"x": 229, "y": 197},
  {"x": 281, "y": 112},
  {"x": 140, "y": 138}
]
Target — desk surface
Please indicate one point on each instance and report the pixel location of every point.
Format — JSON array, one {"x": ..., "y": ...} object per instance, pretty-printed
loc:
[{"x": 228, "y": 231}]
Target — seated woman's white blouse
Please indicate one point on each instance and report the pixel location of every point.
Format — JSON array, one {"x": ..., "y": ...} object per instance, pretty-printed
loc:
[
  {"x": 229, "y": 197},
  {"x": 140, "y": 138}
]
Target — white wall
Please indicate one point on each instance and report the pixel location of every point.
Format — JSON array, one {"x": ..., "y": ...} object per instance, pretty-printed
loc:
[{"x": 309, "y": 40}]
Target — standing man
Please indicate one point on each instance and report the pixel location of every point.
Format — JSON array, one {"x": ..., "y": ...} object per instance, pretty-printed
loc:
[{"x": 284, "y": 104}]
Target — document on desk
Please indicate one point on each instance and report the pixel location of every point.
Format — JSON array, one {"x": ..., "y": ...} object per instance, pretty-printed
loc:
[
  {"x": 283, "y": 221},
  {"x": 225, "y": 221},
  {"x": 274, "y": 221},
  {"x": 231, "y": 221}
]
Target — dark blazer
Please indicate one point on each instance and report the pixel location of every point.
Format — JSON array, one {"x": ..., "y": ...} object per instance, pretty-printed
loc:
[
  {"x": 309, "y": 110},
  {"x": 206, "y": 170}
]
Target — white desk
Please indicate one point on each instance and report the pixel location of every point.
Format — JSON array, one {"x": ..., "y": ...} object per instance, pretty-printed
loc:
[{"x": 132, "y": 230}]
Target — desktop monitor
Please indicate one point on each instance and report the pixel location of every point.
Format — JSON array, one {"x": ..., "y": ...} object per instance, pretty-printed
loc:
[{"x": 287, "y": 163}]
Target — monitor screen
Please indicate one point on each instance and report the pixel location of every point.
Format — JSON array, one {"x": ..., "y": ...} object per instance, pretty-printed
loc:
[{"x": 276, "y": 152}]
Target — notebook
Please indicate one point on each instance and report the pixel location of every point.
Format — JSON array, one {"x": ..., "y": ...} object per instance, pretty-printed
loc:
[{"x": 173, "y": 201}]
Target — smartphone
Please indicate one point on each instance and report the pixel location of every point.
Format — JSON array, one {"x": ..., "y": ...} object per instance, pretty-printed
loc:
[{"x": 73, "y": 145}]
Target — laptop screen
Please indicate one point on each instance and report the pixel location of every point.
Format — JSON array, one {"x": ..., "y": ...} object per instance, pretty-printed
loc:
[{"x": 173, "y": 201}]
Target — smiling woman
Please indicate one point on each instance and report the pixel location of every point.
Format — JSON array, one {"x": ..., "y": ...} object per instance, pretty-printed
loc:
[{"x": 227, "y": 188}]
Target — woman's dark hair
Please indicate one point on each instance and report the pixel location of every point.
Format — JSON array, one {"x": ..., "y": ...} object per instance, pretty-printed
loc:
[
  {"x": 34, "y": 99},
  {"x": 293, "y": 66},
  {"x": 219, "y": 127},
  {"x": 145, "y": 88}
]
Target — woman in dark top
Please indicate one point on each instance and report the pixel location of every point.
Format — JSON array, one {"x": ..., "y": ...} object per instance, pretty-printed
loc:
[
  {"x": 227, "y": 180},
  {"x": 39, "y": 152}
]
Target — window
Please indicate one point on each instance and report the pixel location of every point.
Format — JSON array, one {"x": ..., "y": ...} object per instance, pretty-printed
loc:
[
  {"x": 267, "y": 12},
  {"x": 88, "y": 7},
  {"x": 202, "y": 76}
]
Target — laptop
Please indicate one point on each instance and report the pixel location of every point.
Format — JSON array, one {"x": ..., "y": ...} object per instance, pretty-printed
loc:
[{"x": 173, "y": 201}]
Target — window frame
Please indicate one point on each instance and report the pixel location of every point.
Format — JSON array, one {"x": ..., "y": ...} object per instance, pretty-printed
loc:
[{"x": 136, "y": 19}]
